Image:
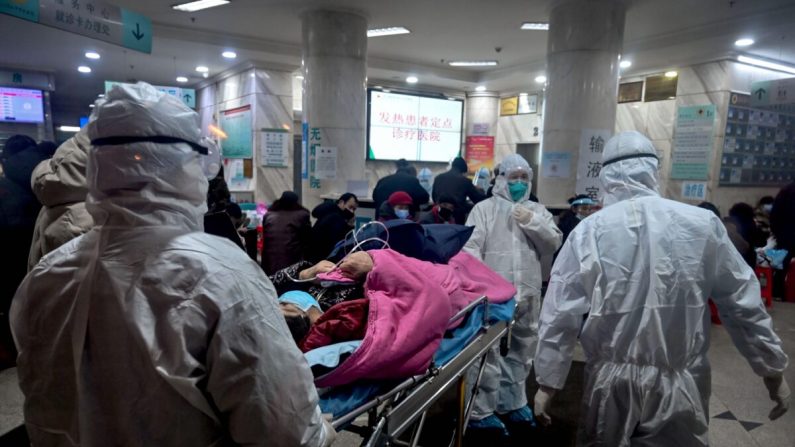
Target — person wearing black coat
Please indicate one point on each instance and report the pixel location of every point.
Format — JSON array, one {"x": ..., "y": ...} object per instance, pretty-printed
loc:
[
  {"x": 286, "y": 232},
  {"x": 334, "y": 221},
  {"x": 404, "y": 179},
  {"x": 18, "y": 211},
  {"x": 454, "y": 183}
]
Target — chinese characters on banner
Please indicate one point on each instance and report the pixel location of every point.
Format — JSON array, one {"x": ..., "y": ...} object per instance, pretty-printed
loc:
[
  {"x": 93, "y": 18},
  {"x": 274, "y": 146},
  {"x": 479, "y": 153},
  {"x": 589, "y": 165},
  {"x": 315, "y": 140},
  {"x": 692, "y": 142}
]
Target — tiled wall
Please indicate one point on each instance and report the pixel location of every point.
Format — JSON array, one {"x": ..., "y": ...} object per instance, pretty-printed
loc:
[{"x": 269, "y": 92}]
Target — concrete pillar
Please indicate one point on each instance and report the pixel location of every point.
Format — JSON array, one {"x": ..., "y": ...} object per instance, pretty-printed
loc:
[
  {"x": 482, "y": 108},
  {"x": 583, "y": 51},
  {"x": 334, "y": 63}
]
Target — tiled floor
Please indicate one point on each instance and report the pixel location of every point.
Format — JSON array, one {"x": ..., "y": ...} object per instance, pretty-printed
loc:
[{"x": 738, "y": 407}]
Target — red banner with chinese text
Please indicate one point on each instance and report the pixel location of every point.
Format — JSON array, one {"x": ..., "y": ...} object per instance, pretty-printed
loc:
[{"x": 479, "y": 153}]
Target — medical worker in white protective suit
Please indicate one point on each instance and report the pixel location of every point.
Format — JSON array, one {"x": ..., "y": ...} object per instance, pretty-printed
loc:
[
  {"x": 146, "y": 331},
  {"x": 511, "y": 235},
  {"x": 642, "y": 270}
]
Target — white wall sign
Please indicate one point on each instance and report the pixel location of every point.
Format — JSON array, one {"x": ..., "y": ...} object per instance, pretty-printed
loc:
[
  {"x": 693, "y": 142},
  {"x": 480, "y": 129},
  {"x": 556, "y": 165},
  {"x": 589, "y": 165},
  {"x": 694, "y": 191},
  {"x": 274, "y": 147},
  {"x": 326, "y": 163}
]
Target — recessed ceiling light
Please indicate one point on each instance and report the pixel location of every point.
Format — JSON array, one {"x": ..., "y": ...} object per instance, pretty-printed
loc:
[
  {"x": 91, "y": 106},
  {"x": 535, "y": 25},
  {"x": 299, "y": 77},
  {"x": 390, "y": 31},
  {"x": 101, "y": 95},
  {"x": 744, "y": 42},
  {"x": 182, "y": 79},
  {"x": 472, "y": 63},
  {"x": 205, "y": 75},
  {"x": 69, "y": 128},
  {"x": 671, "y": 74},
  {"x": 522, "y": 94},
  {"x": 84, "y": 69},
  {"x": 229, "y": 54},
  {"x": 625, "y": 64},
  {"x": 451, "y": 98},
  {"x": 766, "y": 64},
  {"x": 480, "y": 88},
  {"x": 412, "y": 79},
  {"x": 198, "y": 5},
  {"x": 386, "y": 90},
  {"x": 92, "y": 55},
  {"x": 541, "y": 79},
  {"x": 202, "y": 69}
]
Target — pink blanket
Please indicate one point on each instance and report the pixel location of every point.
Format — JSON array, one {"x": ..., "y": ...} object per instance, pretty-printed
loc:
[{"x": 411, "y": 303}]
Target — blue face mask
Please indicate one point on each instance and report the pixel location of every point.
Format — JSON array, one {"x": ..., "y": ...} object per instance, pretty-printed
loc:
[
  {"x": 518, "y": 189},
  {"x": 402, "y": 214},
  {"x": 302, "y": 300}
]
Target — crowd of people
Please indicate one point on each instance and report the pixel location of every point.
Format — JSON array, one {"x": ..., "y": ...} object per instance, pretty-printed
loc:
[{"x": 130, "y": 280}]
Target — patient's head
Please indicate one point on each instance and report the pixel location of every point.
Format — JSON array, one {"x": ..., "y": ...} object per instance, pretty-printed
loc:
[{"x": 300, "y": 310}]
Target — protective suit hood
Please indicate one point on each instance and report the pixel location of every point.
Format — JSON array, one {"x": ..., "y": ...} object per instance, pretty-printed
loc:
[
  {"x": 145, "y": 183},
  {"x": 629, "y": 168},
  {"x": 508, "y": 165}
]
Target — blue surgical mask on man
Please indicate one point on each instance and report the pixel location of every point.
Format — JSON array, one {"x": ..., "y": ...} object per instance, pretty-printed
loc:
[
  {"x": 518, "y": 189},
  {"x": 301, "y": 300},
  {"x": 402, "y": 214}
]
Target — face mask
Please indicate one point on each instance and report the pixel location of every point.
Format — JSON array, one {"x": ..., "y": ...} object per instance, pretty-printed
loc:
[
  {"x": 767, "y": 208},
  {"x": 302, "y": 300},
  {"x": 445, "y": 213},
  {"x": 402, "y": 214},
  {"x": 347, "y": 214},
  {"x": 518, "y": 189}
]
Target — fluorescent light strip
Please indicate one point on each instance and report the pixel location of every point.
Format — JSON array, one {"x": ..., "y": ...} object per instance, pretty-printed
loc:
[
  {"x": 199, "y": 5},
  {"x": 766, "y": 64},
  {"x": 535, "y": 25},
  {"x": 391, "y": 31},
  {"x": 69, "y": 128},
  {"x": 472, "y": 63}
]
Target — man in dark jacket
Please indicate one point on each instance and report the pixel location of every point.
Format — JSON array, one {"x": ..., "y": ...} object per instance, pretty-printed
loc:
[
  {"x": 454, "y": 183},
  {"x": 334, "y": 221},
  {"x": 405, "y": 179},
  {"x": 285, "y": 233},
  {"x": 18, "y": 211}
]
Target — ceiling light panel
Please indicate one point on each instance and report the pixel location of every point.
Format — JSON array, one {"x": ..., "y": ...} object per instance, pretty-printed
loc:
[
  {"x": 472, "y": 63},
  {"x": 535, "y": 26},
  {"x": 390, "y": 31},
  {"x": 766, "y": 64},
  {"x": 198, "y": 5}
]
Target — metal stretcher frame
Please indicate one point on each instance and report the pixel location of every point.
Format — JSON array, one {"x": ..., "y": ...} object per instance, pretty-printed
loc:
[{"x": 391, "y": 414}]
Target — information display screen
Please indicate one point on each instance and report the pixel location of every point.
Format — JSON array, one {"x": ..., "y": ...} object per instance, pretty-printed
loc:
[
  {"x": 21, "y": 105},
  {"x": 417, "y": 128}
]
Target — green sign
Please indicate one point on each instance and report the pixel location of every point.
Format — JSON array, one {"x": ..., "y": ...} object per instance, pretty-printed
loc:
[
  {"x": 236, "y": 123},
  {"x": 93, "y": 18},
  {"x": 24, "y": 9},
  {"x": 693, "y": 142}
]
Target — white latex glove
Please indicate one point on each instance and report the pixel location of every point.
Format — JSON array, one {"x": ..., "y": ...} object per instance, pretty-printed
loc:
[
  {"x": 780, "y": 394},
  {"x": 522, "y": 214},
  {"x": 541, "y": 406}
]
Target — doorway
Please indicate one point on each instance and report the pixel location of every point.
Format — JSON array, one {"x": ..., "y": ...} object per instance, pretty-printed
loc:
[{"x": 531, "y": 152}]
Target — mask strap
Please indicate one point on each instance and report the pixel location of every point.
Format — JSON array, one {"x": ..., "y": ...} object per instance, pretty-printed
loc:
[{"x": 629, "y": 157}]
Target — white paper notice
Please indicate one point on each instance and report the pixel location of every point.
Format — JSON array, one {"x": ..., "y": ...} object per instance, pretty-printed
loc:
[
  {"x": 274, "y": 147},
  {"x": 326, "y": 163}
]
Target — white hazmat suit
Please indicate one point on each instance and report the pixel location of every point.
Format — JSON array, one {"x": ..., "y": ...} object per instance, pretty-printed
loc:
[
  {"x": 513, "y": 250},
  {"x": 642, "y": 270},
  {"x": 145, "y": 331}
]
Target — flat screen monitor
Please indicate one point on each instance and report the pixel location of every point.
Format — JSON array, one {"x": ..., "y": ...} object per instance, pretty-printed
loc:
[
  {"x": 21, "y": 105},
  {"x": 414, "y": 127}
]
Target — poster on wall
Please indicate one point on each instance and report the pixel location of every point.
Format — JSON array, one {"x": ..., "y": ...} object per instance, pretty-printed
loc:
[
  {"x": 589, "y": 165},
  {"x": 693, "y": 142},
  {"x": 326, "y": 163},
  {"x": 480, "y": 128},
  {"x": 778, "y": 95},
  {"x": 694, "y": 191},
  {"x": 479, "y": 153},
  {"x": 527, "y": 104},
  {"x": 236, "y": 124},
  {"x": 759, "y": 148},
  {"x": 236, "y": 176},
  {"x": 509, "y": 106},
  {"x": 274, "y": 147},
  {"x": 556, "y": 165}
]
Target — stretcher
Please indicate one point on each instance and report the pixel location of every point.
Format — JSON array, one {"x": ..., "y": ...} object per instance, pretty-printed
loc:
[{"x": 391, "y": 411}]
